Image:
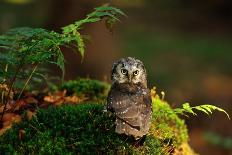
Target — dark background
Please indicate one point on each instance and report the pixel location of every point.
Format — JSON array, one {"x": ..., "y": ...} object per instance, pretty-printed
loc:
[{"x": 186, "y": 47}]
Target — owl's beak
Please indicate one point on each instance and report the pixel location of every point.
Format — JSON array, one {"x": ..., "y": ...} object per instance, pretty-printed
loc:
[{"x": 129, "y": 78}]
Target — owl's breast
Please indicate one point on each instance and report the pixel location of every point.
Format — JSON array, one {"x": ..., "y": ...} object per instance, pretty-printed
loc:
[{"x": 135, "y": 101}]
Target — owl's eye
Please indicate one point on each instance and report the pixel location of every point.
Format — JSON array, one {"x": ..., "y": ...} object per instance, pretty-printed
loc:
[
  {"x": 136, "y": 72},
  {"x": 124, "y": 71}
]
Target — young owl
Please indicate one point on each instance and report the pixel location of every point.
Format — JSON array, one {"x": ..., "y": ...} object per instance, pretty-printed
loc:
[{"x": 129, "y": 98}]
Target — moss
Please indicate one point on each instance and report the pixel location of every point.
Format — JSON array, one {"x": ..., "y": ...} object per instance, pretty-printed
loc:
[
  {"x": 167, "y": 125},
  {"x": 86, "y": 129},
  {"x": 72, "y": 129},
  {"x": 92, "y": 89}
]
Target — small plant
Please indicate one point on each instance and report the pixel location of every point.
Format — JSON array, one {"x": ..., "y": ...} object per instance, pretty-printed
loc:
[
  {"x": 206, "y": 108},
  {"x": 23, "y": 51},
  {"x": 187, "y": 109}
]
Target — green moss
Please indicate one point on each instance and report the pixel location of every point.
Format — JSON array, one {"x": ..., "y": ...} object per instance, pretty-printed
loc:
[
  {"x": 167, "y": 125},
  {"x": 73, "y": 129},
  {"x": 90, "y": 88},
  {"x": 86, "y": 129}
]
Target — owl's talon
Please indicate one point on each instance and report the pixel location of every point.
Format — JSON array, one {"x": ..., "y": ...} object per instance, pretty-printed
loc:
[{"x": 104, "y": 110}]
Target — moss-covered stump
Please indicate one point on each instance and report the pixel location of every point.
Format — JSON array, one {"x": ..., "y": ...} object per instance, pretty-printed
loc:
[{"x": 86, "y": 129}]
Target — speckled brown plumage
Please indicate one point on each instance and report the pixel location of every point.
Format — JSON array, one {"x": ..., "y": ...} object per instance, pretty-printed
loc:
[{"x": 130, "y": 99}]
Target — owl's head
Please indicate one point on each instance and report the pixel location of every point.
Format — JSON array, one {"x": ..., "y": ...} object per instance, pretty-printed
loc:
[{"x": 129, "y": 70}]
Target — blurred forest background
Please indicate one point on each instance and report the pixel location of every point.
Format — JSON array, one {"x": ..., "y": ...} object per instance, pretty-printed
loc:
[{"x": 186, "y": 47}]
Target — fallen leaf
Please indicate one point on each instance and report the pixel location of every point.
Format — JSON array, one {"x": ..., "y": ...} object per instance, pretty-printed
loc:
[
  {"x": 19, "y": 104},
  {"x": 30, "y": 114},
  {"x": 57, "y": 97},
  {"x": 8, "y": 120},
  {"x": 74, "y": 99},
  {"x": 31, "y": 100}
]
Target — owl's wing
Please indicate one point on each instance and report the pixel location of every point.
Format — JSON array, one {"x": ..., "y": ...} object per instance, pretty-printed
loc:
[
  {"x": 129, "y": 107},
  {"x": 110, "y": 101},
  {"x": 129, "y": 113}
]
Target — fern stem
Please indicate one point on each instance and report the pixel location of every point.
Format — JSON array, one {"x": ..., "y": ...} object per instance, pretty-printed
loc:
[{"x": 27, "y": 81}]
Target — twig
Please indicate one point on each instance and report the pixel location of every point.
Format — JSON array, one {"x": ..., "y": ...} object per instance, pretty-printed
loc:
[{"x": 27, "y": 81}]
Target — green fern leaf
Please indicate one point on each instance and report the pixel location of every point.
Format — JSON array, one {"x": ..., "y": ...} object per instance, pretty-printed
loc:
[
  {"x": 210, "y": 108},
  {"x": 70, "y": 32},
  {"x": 80, "y": 43},
  {"x": 78, "y": 24},
  {"x": 187, "y": 108},
  {"x": 200, "y": 108},
  {"x": 109, "y": 8},
  {"x": 60, "y": 63},
  {"x": 206, "y": 108},
  {"x": 21, "y": 48}
]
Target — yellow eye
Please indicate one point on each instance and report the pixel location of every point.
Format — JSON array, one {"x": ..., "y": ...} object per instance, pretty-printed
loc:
[
  {"x": 124, "y": 71},
  {"x": 136, "y": 72}
]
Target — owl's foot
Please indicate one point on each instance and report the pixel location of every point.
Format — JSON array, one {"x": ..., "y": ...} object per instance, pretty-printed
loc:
[
  {"x": 139, "y": 142},
  {"x": 104, "y": 110}
]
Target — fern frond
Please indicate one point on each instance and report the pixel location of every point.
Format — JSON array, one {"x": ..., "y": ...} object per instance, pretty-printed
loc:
[
  {"x": 206, "y": 108},
  {"x": 25, "y": 46},
  {"x": 70, "y": 32}
]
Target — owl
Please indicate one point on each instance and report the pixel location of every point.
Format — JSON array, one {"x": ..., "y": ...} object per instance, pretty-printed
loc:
[{"x": 129, "y": 98}]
